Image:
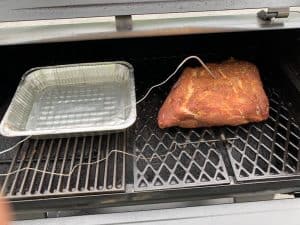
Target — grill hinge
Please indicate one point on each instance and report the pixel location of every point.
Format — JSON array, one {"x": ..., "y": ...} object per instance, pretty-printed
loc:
[
  {"x": 123, "y": 23},
  {"x": 271, "y": 13}
]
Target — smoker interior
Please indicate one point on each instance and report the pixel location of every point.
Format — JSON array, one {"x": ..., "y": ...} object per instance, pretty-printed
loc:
[{"x": 222, "y": 161}]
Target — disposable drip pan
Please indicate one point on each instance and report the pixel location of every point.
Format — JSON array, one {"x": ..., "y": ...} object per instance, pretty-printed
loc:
[{"x": 72, "y": 99}]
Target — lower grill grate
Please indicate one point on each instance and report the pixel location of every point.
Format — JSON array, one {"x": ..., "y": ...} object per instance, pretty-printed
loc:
[
  {"x": 161, "y": 163},
  {"x": 61, "y": 156},
  {"x": 270, "y": 149}
]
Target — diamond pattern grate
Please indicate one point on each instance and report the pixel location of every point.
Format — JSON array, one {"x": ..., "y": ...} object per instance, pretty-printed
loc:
[
  {"x": 161, "y": 163},
  {"x": 270, "y": 149}
]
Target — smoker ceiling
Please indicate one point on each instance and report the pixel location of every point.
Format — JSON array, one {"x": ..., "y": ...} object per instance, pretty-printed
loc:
[{"x": 16, "y": 10}]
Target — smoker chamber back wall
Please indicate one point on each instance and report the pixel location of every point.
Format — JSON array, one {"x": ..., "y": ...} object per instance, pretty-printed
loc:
[
  {"x": 16, "y": 60},
  {"x": 255, "y": 46}
]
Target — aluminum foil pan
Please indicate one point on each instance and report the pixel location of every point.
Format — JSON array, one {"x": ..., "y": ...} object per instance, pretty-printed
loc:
[{"x": 72, "y": 99}]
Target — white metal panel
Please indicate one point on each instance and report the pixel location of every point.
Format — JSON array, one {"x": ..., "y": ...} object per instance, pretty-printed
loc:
[
  {"x": 13, "y": 10},
  {"x": 143, "y": 26},
  {"x": 264, "y": 212}
]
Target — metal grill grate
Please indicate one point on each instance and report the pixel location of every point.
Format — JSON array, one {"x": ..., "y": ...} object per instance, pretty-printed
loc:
[
  {"x": 269, "y": 149},
  {"x": 60, "y": 156},
  {"x": 162, "y": 164}
]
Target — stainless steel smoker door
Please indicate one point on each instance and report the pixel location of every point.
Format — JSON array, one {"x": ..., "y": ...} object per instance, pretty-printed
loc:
[{"x": 14, "y": 10}]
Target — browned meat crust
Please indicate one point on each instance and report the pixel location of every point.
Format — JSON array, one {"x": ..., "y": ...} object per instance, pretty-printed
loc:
[{"x": 236, "y": 96}]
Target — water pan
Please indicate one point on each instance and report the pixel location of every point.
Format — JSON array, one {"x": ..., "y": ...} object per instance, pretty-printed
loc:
[{"x": 72, "y": 99}]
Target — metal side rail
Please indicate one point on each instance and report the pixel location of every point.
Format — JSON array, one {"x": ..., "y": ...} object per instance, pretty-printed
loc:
[
  {"x": 98, "y": 28},
  {"x": 275, "y": 212}
]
